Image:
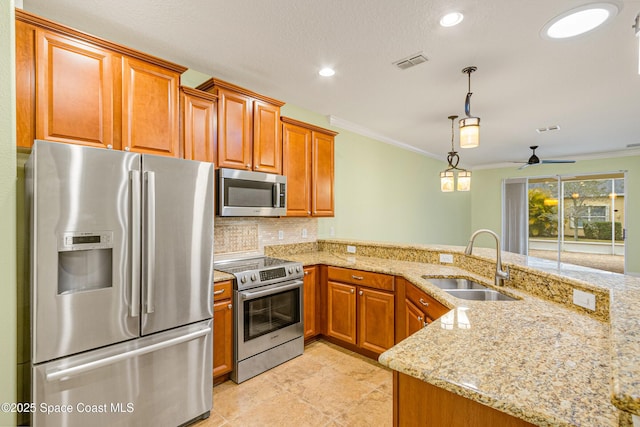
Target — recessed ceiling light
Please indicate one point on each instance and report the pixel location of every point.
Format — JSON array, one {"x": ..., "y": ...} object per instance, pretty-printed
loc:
[
  {"x": 579, "y": 20},
  {"x": 451, "y": 19},
  {"x": 327, "y": 72}
]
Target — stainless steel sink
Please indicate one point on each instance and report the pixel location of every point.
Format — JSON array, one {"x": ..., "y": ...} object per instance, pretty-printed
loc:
[
  {"x": 467, "y": 289},
  {"x": 479, "y": 295},
  {"x": 454, "y": 283}
]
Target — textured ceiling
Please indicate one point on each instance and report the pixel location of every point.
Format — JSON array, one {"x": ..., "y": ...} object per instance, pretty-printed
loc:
[{"x": 589, "y": 85}]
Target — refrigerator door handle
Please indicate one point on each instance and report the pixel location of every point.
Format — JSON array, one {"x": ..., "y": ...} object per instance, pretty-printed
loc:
[
  {"x": 134, "y": 181},
  {"x": 59, "y": 374},
  {"x": 150, "y": 237}
]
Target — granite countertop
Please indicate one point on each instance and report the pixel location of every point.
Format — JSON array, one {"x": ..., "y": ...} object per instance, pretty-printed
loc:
[{"x": 531, "y": 358}]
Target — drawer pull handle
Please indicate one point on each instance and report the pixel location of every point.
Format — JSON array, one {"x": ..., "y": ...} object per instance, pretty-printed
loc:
[
  {"x": 351, "y": 290},
  {"x": 423, "y": 302},
  {"x": 360, "y": 293},
  {"x": 230, "y": 306},
  {"x": 306, "y": 273},
  {"x": 353, "y": 276},
  {"x": 220, "y": 292}
]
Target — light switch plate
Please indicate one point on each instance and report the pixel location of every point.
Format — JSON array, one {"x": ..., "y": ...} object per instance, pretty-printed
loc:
[
  {"x": 351, "y": 249},
  {"x": 304, "y": 233},
  {"x": 584, "y": 299},
  {"x": 446, "y": 258}
]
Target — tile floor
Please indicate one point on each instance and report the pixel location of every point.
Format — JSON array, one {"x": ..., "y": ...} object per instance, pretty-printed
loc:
[{"x": 326, "y": 386}]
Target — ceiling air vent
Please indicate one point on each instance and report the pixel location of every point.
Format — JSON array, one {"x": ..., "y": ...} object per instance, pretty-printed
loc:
[
  {"x": 636, "y": 145},
  {"x": 410, "y": 61},
  {"x": 548, "y": 128}
]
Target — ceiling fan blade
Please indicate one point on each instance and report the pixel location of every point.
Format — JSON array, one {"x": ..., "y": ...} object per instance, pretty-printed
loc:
[
  {"x": 525, "y": 165},
  {"x": 558, "y": 161}
]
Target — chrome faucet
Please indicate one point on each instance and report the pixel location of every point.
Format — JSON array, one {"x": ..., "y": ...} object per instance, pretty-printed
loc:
[{"x": 501, "y": 275}]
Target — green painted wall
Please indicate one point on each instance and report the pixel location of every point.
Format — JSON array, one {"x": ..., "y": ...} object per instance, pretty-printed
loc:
[
  {"x": 386, "y": 193},
  {"x": 8, "y": 321},
  {"x": 486, "y": 195}
]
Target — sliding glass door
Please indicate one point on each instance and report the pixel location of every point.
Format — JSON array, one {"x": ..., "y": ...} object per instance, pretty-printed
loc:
[{"x": 574, "y": 219}]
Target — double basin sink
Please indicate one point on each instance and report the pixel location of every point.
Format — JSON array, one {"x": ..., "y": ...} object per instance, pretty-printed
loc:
[{"x": 467, "y": 289}]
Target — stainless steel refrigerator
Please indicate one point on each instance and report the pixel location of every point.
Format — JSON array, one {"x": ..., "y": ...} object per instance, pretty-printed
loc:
[{"x": 121, "y": 277}]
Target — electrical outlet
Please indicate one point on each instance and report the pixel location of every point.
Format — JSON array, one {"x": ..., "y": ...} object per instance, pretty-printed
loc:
[
  {"x": 351, "y": 249},
  {"x": 584, "y": 299},
  {"x": 332, "y": 231},
  {"x": 446, "y": 258},
  {"x": 304, "y": 233},
  {"x": 280, "y": 234}
]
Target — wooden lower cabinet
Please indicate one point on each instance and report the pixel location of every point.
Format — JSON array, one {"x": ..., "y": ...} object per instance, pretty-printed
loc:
[
  {"x": 375, "y": 319},
  {"x": 359, "y": 315},
  {"x": 341, "y": 311},
  {"x": 311, "y": 302},
  {"x": 417, "y": 403},
  {"x": 415, "y": 309},
  {"x": 222, "y": 329}
]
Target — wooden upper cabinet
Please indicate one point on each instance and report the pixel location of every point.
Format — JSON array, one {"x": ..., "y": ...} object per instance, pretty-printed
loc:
[
  {"x": 248, "y": 128},
  {"x": 307, "y": 162},
  {"x": 296, "y": 166},
  {"x": 76, "y": 88},
  {"x": 199, "y": 119},
  {"x": 235, "y": 113},
  {"x": 322, "y": 189},
  {"x": 150, "y": 113},
  {"x": 267, "y": 142},
  {"x": 75, "y": 91}
]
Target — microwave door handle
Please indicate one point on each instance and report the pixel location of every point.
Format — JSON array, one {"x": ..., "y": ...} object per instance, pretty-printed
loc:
[
  {"x": 134, "y": 228},
  {"x": 275, "y": 191},
  {"x": 150, "y": 239}
]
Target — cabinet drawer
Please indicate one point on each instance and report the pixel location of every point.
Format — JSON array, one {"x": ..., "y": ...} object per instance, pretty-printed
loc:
[
  {"x": 432, "y": 308},
  {"x": 222, "y": 290},
  {"x": 364, "y": 278}
]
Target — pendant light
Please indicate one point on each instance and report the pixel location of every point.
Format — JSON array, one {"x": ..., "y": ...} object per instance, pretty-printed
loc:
[
  {"x": 448, "y": 176},
  {"x": 469, "y": 126}
]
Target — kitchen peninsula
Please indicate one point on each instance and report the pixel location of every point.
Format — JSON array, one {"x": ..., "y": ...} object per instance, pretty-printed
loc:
[{"x": 544, "y": 362}]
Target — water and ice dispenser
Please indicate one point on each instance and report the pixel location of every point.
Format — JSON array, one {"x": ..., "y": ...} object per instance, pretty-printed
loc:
[{"x": 85, "y": 261}]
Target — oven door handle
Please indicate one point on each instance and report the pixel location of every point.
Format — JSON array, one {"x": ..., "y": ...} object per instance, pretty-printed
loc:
[{"x": 245, "y": 296}]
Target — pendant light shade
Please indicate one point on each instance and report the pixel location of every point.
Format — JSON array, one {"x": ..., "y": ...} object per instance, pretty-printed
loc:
[
  {"x": 464, "y": 181},
  {"x": 470, "y": 125},
  {"x": 469, "y": 132},
  {"x": 448, "y": 176},
  {"x": 446, "y": 181}
]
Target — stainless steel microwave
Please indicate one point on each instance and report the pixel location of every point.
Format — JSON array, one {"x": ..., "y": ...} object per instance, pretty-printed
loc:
[{"x": 247, "y": 193}]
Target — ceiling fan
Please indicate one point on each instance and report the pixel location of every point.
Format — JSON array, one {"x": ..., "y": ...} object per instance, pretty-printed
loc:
[{"x": 535, "y": 160}]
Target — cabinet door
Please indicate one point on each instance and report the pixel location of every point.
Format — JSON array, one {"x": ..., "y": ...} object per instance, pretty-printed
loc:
[
  {"x": 198, "y": 127},
  {"x": 150, "y": 105},
  {"x": 310, "y": 302},
  {"x": 415, "y": 319},
  {"x": 267, "y": 144},
  {"x": 234, "y": 130},
  {"x": 222, "y": 337},
  {"x": 296, "y": 166},
  {"x": 74, "y": 91},
  {"x": 322, "y": 179},
  {"x": 376, "y": 319},
  {"x": 341, "y": 311}
]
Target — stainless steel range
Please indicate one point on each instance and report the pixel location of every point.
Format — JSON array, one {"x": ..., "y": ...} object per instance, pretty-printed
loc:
[{"x": 268, "y": 318}]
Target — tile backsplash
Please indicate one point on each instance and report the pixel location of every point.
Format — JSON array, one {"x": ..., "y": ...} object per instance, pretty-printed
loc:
[{"x": 248, "y": 236}]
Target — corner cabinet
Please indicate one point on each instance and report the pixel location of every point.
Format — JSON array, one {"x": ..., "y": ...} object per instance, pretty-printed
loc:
[
  {"x": 417, "y": 309},
  {"x": 198, "y": 128},
  {"x": 222, "y": 330},
  {"x": 76, "y": 88},
  {"x": 360, "y": 309},
  {"x": 308, "y": 163},
  {"x": 248, "y": 128}
]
